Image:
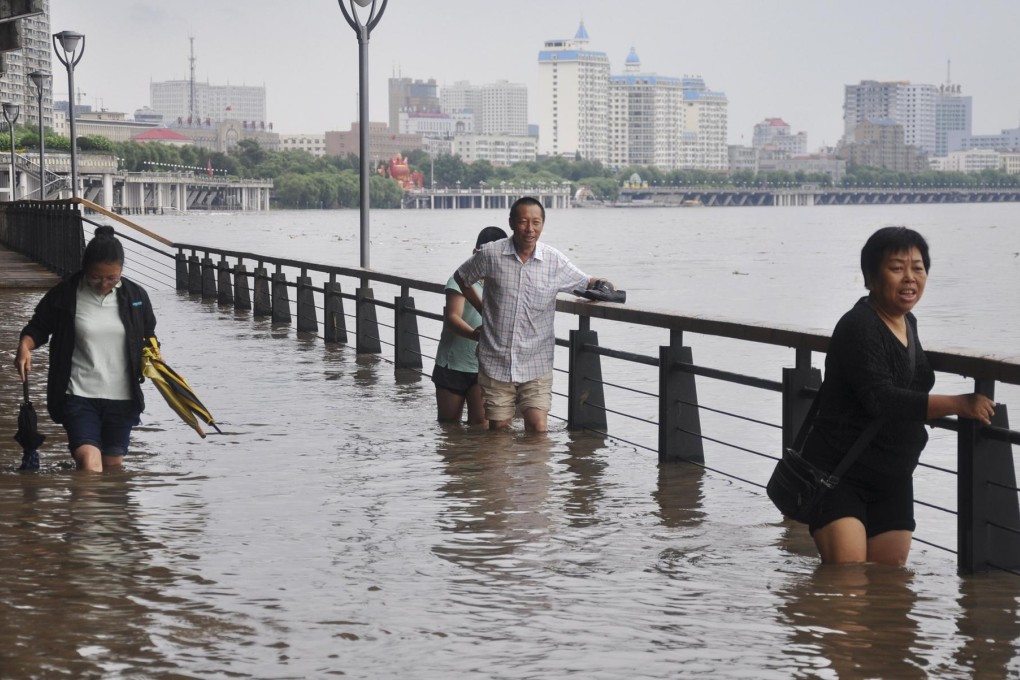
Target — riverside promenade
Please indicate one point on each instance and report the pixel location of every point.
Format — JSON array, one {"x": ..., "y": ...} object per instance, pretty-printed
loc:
[
  {"x": 336, "y": 529},
  {"x": 18, "y": 271}
]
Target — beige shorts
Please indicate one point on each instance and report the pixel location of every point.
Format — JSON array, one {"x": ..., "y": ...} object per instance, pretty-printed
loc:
[{"x": 503, "y": 399}]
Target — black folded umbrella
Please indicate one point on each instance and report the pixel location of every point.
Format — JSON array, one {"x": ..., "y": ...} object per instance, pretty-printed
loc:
[{"x": 28, "y": 434}]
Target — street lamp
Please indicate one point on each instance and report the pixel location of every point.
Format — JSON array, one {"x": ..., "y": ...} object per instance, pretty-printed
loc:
[
  {"x": 11, "y": 116},
  {"x": 363, "y": 30},
  {"x": 40, "y": 78},
  {"x": 70, "y": 57}
]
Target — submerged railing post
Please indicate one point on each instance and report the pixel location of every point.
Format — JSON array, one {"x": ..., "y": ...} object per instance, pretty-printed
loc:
[
  {"x": 208, "y": 277},
  {"x": 679, "y": 419},
  {"x": 242, "y": 299},
  {"x": 796, "y": 403},
  {"x": 281, "y": 302},
  {"x": 224, "y": 288},
  {"x": 334, "y": 321},
  {"x": 182, "y": 270},
  {"x": 367, "y": 329},
  {"x": 306, "y": 320},
  {"x": 263, "y": 300},
  {"x": 586, "y": 399},
  {"x": 407, "y": 347},
  {"x": 988, "y": 516},
  {"x": 194, "y": 274}
]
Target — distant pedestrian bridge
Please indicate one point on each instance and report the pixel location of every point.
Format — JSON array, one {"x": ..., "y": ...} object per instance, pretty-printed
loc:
[{"x": 810, "y": 195}]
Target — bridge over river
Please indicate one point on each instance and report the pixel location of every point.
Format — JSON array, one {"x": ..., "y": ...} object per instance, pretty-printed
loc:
[{"x": 812, "y": 195}]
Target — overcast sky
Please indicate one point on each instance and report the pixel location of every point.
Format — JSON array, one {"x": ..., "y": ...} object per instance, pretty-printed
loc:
[{"x": 785, "y": 58}]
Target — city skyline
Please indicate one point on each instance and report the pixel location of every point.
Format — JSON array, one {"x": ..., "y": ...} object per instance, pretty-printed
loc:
[{"x": 771, "y": 59}]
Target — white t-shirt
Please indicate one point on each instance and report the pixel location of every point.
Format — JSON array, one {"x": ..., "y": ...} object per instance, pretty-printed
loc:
[{"x": 99, "y": 365}]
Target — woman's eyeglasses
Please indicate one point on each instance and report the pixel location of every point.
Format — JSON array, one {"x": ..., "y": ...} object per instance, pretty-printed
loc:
[{"x": 95, "y": 280}]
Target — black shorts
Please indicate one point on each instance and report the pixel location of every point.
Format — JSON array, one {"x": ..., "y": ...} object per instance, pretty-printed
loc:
[
  {"x": 458, "y": 382},
  {"x": 889, "y": 507}
]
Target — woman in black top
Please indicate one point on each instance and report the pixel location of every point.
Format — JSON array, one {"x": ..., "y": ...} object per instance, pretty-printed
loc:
[
  {"x": 869, "y": 516},
  {"x": 97, "y": 322}
]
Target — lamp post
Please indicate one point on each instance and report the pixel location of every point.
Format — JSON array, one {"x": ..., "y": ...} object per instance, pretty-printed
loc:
[
  {"x": 69, "y": 56},
  {"x": 40, "y": 78},
  {"x": 363, "y": 30},
  {"x": 11, "y": 116}
]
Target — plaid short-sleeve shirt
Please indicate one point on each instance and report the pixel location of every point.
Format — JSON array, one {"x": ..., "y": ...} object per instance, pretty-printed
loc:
[{"x": 519, "y": 308}]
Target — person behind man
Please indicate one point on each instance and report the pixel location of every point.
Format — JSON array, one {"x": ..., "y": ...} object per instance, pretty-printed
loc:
[
  {"x": 456, "y": 371},
  {"x": 516, "y": 340}
]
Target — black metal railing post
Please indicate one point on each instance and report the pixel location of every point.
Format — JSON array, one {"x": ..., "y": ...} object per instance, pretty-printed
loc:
[
  {"x": 796, "y": 402},
  {"x": 367, "y": 328},
  {"x": 986, "y": 494},
  {"x": 194, "y": 273},
  {"x": 281, "y": 301},
  {"x": 208, "y": 278},
  {"x": 586, "y": 398},
  {"x": 407, "y": 347},
  {"x": 224, "y": 289},
  {"x": 263, "y": 300},
  {"x": 333, "y": 317},
  {"x": 679, "y": 419},
  {"x": 182, "y": 270},
  {"x": 306, "y": 320},
  {"x": 242, "y": 297}
]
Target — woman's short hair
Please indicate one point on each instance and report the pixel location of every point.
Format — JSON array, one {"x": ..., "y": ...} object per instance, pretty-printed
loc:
[
  {"x": 488, "y": 235},
  {"x": 890, "y": 240},
  {"x": 104, "y": 248}
]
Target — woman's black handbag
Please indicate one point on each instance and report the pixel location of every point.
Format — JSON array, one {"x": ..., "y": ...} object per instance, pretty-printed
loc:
[{"x": 796, "y": 487}]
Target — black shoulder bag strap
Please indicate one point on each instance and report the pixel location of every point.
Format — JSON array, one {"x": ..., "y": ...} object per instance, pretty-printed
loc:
[{"x": 832, "y": 479}]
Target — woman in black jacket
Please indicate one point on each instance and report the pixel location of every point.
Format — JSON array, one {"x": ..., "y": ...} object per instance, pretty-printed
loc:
[
  {"x": 97, "y": 322},
  {"x": 869, "y": 515}
]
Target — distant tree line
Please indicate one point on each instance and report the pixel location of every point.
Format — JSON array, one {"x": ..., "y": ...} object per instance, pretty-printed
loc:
[{"x": 302, "y": 180}]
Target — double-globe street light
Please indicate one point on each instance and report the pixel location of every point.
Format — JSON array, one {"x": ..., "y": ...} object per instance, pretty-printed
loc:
[
  {"x": 40, "y": 78},
  {"x": 11, "y": 116},
  {"x": 69, "y": 56},
  {"x": 363, "y": 30}
]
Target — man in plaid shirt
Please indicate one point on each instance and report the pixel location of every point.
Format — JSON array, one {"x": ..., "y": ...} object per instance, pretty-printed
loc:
[{"x": 521, "y": 278}]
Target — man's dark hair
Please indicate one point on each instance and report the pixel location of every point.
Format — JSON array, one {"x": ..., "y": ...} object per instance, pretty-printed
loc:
[
  {"x": 890, "y": 240},
  {"x": 488, "y": 235},
  {"x": 526, "y": 200},
  {"x": 104, "y": 248}
]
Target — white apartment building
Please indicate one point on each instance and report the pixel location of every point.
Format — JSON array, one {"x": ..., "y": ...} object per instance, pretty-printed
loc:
[
  {"x": 775, "y": 134},
  {"x": 499, "y": 108},
  {"x": 911, "y": 105},
  {"x": 36, "y": 47},
  {"x": 645, "y": 118},
  {"x": 971, "y": 160},
  {"x": 705, "y": 123},
  {"x": 313, "y": 143},
  {"x": 952, "y": 115},
  {"x": 573, "y": 95},
  {"x": 1010, "y": 162},
  {"x": 172, "y": 99},
  {"x": 436, "y": 124},
  {"x": 497, "y": 149}
]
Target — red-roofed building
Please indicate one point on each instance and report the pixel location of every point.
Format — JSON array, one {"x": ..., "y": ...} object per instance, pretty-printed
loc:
[{"x": 161, "y": 136}]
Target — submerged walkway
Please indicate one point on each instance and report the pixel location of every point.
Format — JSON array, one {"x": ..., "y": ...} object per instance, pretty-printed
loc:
[{"x": 17, "y": 271}]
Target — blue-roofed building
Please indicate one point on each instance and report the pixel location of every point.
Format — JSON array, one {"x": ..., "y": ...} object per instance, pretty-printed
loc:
[
  {"x": 667, "y": 122},
  {"x": 573, "y": 99}
]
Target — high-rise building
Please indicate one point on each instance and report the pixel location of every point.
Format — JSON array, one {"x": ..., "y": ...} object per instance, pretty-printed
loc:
[
  {"x": 911, "y": 105},
  {"x": 32, "y": 32},
  {"x": 645, "y": 118},
  {"x": 173, "y": 100},
  {"x": 703, "y": 143},
  {"x": 952, "y": 115},
  {"x": 573, "y": 95},
  {"x": 774, "y": 134},
  {"x": 881, "y": 143},
  {"x": 499, "y": 108},
  {"x": 413, "y": 96}
]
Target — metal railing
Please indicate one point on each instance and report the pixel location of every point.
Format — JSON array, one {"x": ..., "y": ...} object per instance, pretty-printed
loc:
[
  {"x": 314, "y": 297},
  {"x": 49, "y": 232}
]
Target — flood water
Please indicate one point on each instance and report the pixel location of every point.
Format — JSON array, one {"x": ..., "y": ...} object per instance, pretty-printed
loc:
[{"x": 336, "y": 530}]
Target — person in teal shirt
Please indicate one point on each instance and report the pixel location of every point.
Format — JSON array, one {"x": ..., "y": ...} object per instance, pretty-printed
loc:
[{"x": 456, "y": 371}]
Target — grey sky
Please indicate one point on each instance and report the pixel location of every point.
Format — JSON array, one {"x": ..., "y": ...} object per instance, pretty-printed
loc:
[{"x": 787, "y": 58}]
